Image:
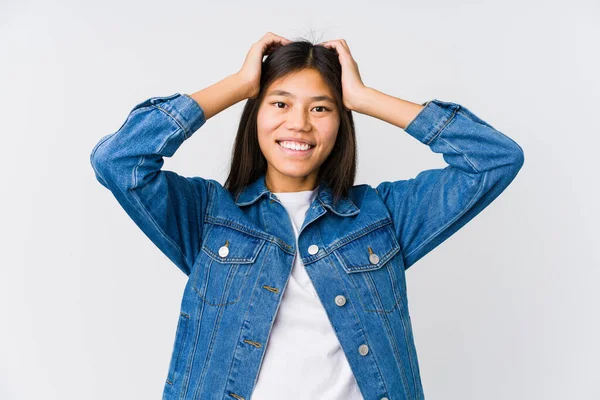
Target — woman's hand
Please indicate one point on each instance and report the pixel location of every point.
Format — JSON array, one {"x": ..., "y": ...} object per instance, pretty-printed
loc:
[
  {"x": 251, "y": 70},
  {"x": 352, "y": 86}
]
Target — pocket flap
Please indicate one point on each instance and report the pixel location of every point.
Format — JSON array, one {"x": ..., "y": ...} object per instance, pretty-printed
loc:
[
  {"x": 229, "y": 245},
  {"x": 355, "y": 256}
]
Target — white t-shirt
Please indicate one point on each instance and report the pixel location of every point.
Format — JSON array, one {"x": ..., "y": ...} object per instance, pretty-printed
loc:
[{"x": 303, "y": 357}]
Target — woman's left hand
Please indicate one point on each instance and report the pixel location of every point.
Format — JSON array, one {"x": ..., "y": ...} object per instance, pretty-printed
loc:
[{"x": 352, "y": 86}]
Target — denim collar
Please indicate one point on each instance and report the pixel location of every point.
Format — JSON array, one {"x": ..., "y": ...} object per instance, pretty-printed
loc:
[{"x": 251, "y": 193}]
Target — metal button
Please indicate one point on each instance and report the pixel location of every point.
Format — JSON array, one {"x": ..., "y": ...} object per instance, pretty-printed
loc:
[
  {"x": 223, "y": 251},
  {"x": 384, "y": 398},
  {"x": 374, "y": 258},
  {"x": 363, "y": 349},
  {"x": 340, "y": 300},
  {"x": 313, "y": 249}
]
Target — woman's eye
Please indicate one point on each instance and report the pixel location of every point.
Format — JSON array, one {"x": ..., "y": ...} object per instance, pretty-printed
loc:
[{"x": 280, "y": 102}]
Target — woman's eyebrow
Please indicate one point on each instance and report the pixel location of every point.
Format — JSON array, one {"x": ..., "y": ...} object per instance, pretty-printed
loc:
[{"x": 288, "y": 94}]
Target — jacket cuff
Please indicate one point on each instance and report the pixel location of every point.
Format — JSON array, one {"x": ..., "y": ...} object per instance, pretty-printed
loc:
[
  {"x": 182, "y": 108},
  {"x": 431, "y": 120}
]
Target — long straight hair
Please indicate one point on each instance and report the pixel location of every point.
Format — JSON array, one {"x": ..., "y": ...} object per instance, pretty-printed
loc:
[{"x": 248, "y": 163}]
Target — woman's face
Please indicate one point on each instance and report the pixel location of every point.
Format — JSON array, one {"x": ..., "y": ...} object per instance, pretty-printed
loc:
[{"x": 297, "y": 109}]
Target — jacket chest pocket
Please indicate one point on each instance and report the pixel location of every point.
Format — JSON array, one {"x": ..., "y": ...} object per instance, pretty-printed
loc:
[
  {"x": 222, "y": 268},
  {"x": 370, "y": 264}
]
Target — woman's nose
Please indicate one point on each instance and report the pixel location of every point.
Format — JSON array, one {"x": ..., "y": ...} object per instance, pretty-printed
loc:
[{"x": 298, "y": 120}]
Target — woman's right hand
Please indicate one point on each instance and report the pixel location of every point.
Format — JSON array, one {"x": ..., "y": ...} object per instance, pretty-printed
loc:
[{"x": 251, "y": 70}]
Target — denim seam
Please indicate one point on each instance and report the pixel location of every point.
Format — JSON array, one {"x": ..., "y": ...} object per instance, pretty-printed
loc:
[
  {"x": 466, "y": 115},
  {"x": 214, "y": 330},
  {"x": 246, "y": 319},
  {"x": 465, "y": 209},
  {"x": 360, "y": 325},
  {"x": 392, "y": 337},
  {"x": 189, "y": 366},
  {"x": 234, "y": 260},
  {"x": 464, "y": 156},
  {"x": 371, "y": 286},
  {"x": 183, "y": 129},
  {"x": 164, "y": 235},
  {"x": 359, "y": 233},
  {"x": 182, "y": 342},
  {"x": 411, "y": 363},
  {"x": 450, "y": 118},
  {"x": 416, "y": 116},
  {"x": 202, "y": 293},
  {"x": 95, "y": 149},
  {"x": 239, "y": 227}
]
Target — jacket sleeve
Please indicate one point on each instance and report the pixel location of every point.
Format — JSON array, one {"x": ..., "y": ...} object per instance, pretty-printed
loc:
[
  {"x": 430, "y": 207},
  {"x": 167, "y": 207}
]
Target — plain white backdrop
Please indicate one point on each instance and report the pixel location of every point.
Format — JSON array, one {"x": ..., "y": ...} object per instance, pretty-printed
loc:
[{"x": 507, "y": 308}]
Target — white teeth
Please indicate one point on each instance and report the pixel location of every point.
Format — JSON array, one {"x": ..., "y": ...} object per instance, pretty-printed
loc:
[{"x": 294, "y": 145}]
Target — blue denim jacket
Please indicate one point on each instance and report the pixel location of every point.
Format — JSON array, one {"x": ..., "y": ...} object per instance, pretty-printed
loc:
[{"x": 238, "y": 252}]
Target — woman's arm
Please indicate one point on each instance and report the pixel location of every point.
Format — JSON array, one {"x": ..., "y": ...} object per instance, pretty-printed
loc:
[
  {"x": 387, "y": 108},
  {"x": 167, "y": 207},
  {"x": 222, "y": 95},
  {"x": 432, "y": 206}
]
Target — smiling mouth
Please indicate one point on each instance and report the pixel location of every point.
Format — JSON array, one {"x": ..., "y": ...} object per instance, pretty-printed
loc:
[{"x": 306, "y": 149}]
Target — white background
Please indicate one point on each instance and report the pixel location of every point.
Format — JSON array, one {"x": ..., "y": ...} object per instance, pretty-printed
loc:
[{"x": 507, "y": 308}]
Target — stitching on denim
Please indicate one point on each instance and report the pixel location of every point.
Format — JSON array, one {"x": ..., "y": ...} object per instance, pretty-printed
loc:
[
  {"x": 211, "y": 195},
  {"x": 418, "y": 114},
  {"x": 382, "y": 224},
  {"x": 407, "y": 332},
  {"x": 213, "y": 334},
  {"x": 340, "y": 242},
  {"x": 248, "y": 312},
  {"x": 158, "y": 228},
  {"x": 384, "y": 259},
  {"x": 183, "y": 333},
  {"x": 370, "y": 281},
  {"x": 240, "y": 227},
  {"x": 190, "y": 359},
  {"x": 359, "y": 233},
  {"x": 461, "y": 153},
  {"x": 263, "y": 236},
  {"x": 95, "y": 149},
  {"x": 228, "y": 283},
  {"x": 234, "y": 260},
  {"x": 174, "y": 119},
  {"x": 413, "y": 356},
  {"x": 360, "y": 325},
  {"x": 387, "y": 324},
  {"x": 389, "y": 267},
  {"x": 443, "y": 127},
  {"x": 367, "y": 278},
  {"x": 465, "y": 209},
  {"x": 342, "y": 214}
]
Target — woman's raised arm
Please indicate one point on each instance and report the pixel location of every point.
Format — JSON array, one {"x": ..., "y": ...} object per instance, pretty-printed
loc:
[
  {"x": 167, "y": 207},
  {"x": 432, "y": 206}
]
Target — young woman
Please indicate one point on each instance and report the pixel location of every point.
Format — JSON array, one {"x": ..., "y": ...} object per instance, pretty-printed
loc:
[{"x": 289, "y": 252}]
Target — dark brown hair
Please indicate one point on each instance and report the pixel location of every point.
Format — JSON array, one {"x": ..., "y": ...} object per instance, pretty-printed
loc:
[{"x": 338, "y": 171}]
